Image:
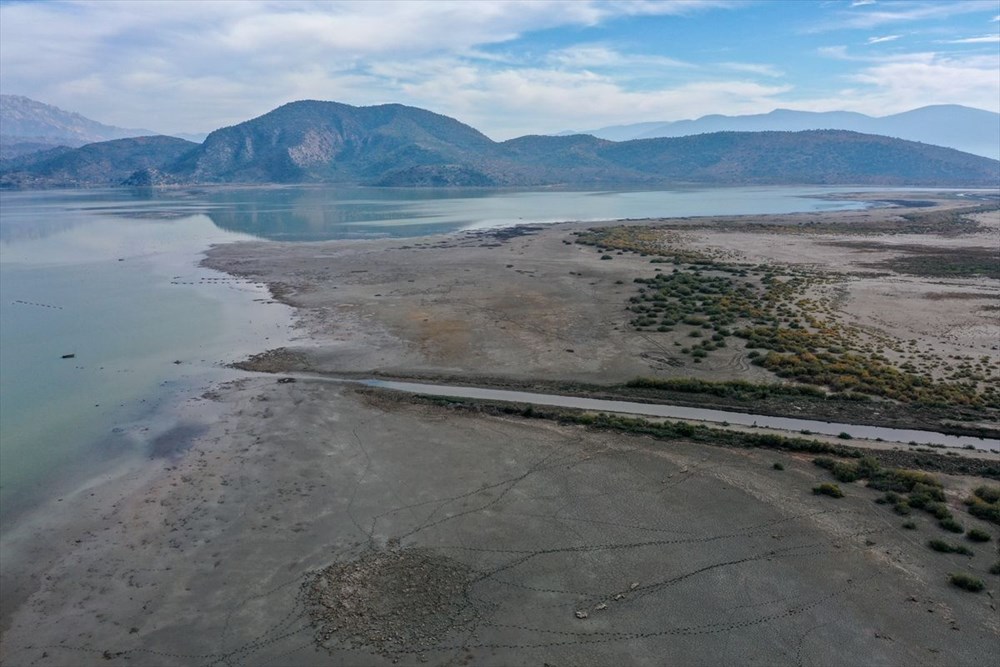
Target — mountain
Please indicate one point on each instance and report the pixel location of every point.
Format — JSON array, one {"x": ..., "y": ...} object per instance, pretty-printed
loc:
[
  {"x": 107, "y": 163},
  {"x": 311, "y": 141},
  {"x": 962, "y": 128},
  {"x": 24, "y": 120},
  {"x": 395, "y": 145},
  {"x": 28, "y": 126}
]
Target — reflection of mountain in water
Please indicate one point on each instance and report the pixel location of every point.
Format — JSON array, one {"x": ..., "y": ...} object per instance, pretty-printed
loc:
[
  {"x": 28, "y": 229},
  {"x": 73, "y": 208},
  {"x": 322, "y": 214}
]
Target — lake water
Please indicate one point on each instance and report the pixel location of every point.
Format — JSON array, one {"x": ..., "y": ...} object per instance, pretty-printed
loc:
[{"x": 111, "y": 277}]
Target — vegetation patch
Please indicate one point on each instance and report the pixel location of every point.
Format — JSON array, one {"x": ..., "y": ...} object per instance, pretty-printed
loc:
[
  {"x": 773, "y": 314},
  {"x": 828, "y": 489},
  {"x": 920, "y": 260},
  {"x": 978, "y": 535},
  {"x": 966, "y": 582},
  {"x": 984, "y": 503},
  {"x": 947, "y": 548}
]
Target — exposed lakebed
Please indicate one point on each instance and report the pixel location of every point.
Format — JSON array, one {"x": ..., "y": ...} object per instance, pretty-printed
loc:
[{"x": 112, "y": 278}]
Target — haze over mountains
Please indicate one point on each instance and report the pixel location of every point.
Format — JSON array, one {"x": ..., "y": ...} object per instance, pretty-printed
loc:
[
  {"x": 28, "y": 126},
  {"x": 396, "y": 145},
  {"x": 963, "y": 128}
]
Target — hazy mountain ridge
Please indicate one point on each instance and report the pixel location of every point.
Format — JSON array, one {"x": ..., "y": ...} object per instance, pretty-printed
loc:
[
  {"x": 102, "y": 164},
  {"x": 396, "y": 145},
  {"x": 950, "y": 125},
  {"x": 29, "y": 126}
]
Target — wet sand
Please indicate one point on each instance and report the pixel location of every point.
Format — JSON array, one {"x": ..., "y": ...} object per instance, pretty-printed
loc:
[{"x": 543, "y": 543}]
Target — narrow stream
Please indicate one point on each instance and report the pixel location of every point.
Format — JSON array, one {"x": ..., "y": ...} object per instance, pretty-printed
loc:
[{"x": 681, "y": 412}]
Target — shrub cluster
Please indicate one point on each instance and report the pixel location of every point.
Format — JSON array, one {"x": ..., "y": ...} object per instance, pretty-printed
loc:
[
  {"x": 828, "y": 489},
  {"x": 948, "y": 548},
  {"x": 966, "y": 582},
  {"x": 984, "y": 503}
]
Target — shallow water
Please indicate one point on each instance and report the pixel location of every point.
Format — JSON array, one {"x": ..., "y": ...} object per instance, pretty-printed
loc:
[{"x": 111, "y": 277}]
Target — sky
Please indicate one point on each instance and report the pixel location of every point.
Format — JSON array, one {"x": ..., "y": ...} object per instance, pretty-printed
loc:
[{"x": 506, "y": 68}]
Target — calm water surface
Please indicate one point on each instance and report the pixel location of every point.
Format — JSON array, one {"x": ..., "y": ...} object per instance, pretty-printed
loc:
[{"x": 111, "y": 277}]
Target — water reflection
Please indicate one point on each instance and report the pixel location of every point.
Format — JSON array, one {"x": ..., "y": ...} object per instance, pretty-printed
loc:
[{"x": 317, "y": 213}]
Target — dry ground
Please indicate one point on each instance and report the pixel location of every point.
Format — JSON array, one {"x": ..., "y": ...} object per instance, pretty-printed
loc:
[
  {"x": 540, "y": 306},
  {"x": 676, "y": 553},
  {"x": 468, "y": 539}
]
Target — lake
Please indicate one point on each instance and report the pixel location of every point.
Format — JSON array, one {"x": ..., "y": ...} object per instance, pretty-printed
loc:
[{"x": 109, "y": 279}]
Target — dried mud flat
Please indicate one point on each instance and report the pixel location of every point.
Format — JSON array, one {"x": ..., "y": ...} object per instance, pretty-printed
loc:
[
  {"x": 537, "y": 305},
  {"x": 315, "y": 525}
]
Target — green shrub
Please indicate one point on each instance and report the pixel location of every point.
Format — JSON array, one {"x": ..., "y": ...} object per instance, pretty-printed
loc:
[
  {"x": 948, "y": 548},
  {"x": 966, "y": 582},
  {"x": 989, "y": 494},
  {"x": 827, "y": 489},
  {"x": 984, "y": 503},
  {"x": 844, "y": 435},
  {"x": 778, "y": 466},
  {"x": 951, "y": 525},
  {"x": 939, "y": 510},
  {"x": 978, "y": 535},
  {"x": 995, "y": 568},
  {"x": 909, "y": 525}
]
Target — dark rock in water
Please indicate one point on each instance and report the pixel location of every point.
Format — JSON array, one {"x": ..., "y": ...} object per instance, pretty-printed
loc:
[
  {"x": 285, "y": 380},
  {"x": 68, "y": 356}
]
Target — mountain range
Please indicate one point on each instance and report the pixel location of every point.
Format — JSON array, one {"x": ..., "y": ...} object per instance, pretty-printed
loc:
[
  {"x": 966, "y": 129},
  {"x": 396, "y": 145},
  {"x": 28, "y": 126}
]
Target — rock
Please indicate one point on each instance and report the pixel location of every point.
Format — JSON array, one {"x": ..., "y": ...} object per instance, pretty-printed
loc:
[
  {"x": 602, "y": 606},
  {"x": 581, "y": 614},
  {"x": 68, "y": 356}
]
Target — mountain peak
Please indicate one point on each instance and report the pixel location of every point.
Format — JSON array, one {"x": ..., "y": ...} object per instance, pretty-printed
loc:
[{"x": 312, "y": 141}]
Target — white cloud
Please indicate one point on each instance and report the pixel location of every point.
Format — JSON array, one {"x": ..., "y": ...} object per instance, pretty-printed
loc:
[
  {"x": 754, "y": 68},
  {"x": 984, "y": 39},
  {"x": 522, "y": 101},
  {"x": 885, "y": 38},
  {"x": 862, "y": 3},
  {"x": 907, "y": 81},
  {"x": 903, "y": 12},
  {"x": 241, "y": 58},
  {"x": 600, "y": 56},
  {"x": 168, "y": 67}
]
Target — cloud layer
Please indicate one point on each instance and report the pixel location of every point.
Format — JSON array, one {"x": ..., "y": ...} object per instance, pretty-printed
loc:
[{"x": 508, "y": 68}]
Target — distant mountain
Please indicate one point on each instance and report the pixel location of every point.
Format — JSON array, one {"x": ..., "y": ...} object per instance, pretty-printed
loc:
[
  {"x": 395, "y": 145},
  {"x": 962, "y": 128},
  {"x": 28, "y": 126},
  {"x": 107, "y": 163},
  {"x": 311, "y": 141}
]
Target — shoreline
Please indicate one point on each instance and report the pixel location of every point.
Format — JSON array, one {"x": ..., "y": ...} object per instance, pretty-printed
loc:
[
  {"x": 274, "y": 265},
  {"x": 199, "y": 557}
]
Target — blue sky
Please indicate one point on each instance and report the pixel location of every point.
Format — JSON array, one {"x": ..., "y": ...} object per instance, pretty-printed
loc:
[{"x": 507, "y": 68}]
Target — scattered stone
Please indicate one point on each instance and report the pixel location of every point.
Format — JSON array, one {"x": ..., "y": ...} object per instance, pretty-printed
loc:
[
  {"x": 634, "y": 585},
  {"x": 602, "y": 606},
  {"x": 581, "y": 614},
  {"x": 390, "y": 602}
]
